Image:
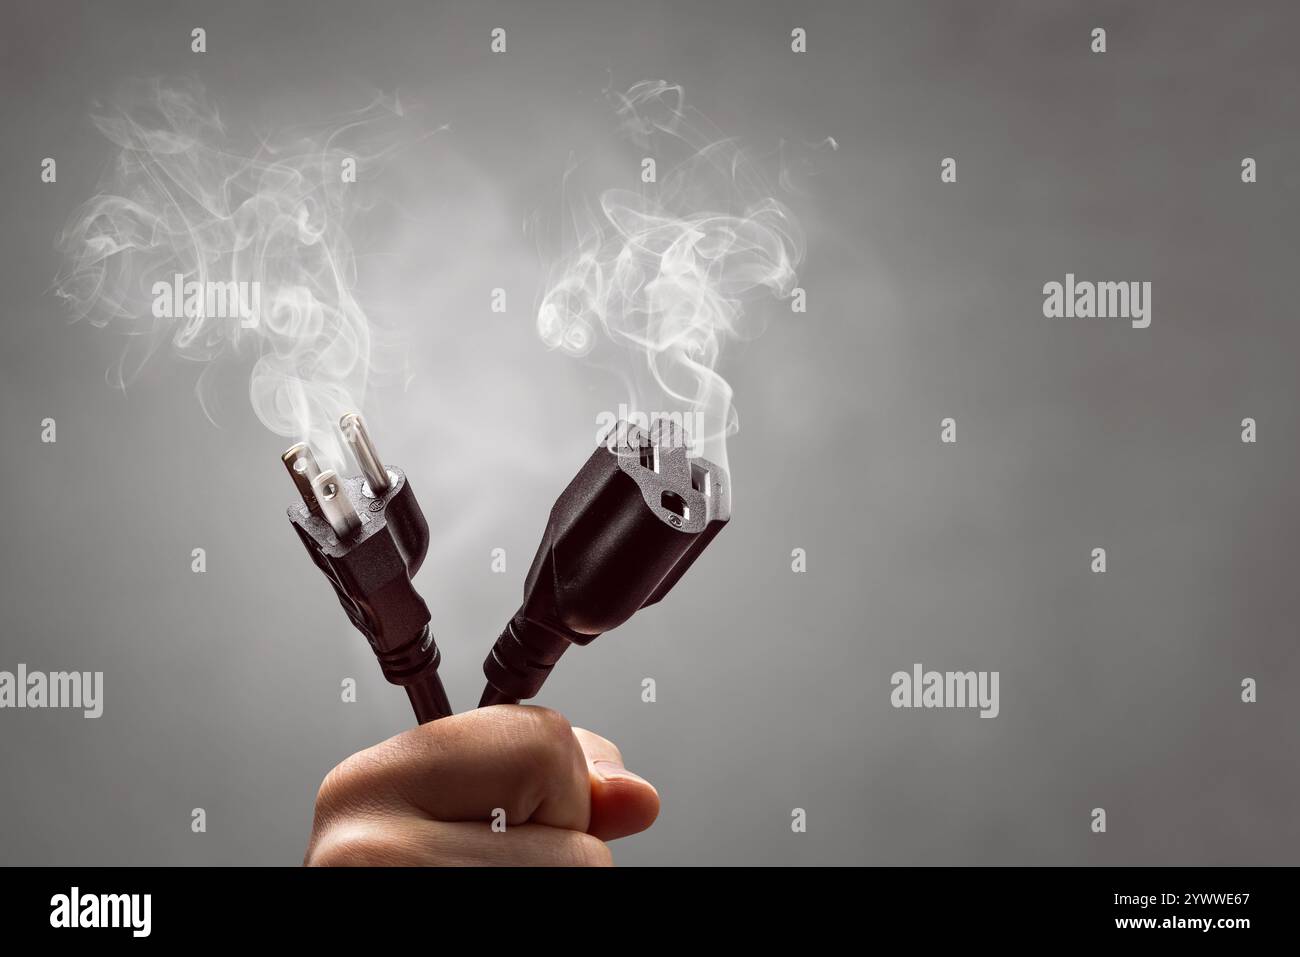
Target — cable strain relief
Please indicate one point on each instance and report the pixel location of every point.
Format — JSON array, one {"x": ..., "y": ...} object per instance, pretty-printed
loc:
[
  {"x": 522, "y": 658},
  {"x": 411, "y": 661}
]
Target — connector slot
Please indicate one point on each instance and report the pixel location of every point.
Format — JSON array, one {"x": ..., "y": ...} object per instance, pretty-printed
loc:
[
  {"x": 701, "y": 479},
  {"x": 675, "y": 504},
  {"x": 650, "y": 457}
]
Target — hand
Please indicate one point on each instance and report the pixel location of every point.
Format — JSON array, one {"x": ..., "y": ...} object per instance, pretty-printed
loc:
[{"x": 428, "y": 796}]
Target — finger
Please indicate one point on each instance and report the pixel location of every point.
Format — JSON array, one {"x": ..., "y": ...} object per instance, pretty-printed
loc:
[
  {"x": 410, "y": 841},
  {"x": 622, "y": 803},
  {"x": 522, "y": 760},
  {"x": 596, "y": 748}
]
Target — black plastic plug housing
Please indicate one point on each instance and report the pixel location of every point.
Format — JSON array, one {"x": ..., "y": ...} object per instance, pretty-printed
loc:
[
  {"x": 633, "y": 520},
  {"x": 371, "y": 571}
]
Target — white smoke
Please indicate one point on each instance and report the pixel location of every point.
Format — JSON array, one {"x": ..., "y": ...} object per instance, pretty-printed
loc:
[
  {"x": 182, "y": 196},
  {"x": 664, "y": 275}
]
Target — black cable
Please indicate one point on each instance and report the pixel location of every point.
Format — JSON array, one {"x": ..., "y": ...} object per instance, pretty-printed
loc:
[
  {"x": 491, "y": 696},
  {"x": 429, "y": 699}
]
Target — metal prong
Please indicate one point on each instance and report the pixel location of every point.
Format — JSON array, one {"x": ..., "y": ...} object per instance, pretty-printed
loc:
[
  {"x": 354, "y": 430},
  {"x": 334, "y": 503},
  {"x": 302, "y": 469}
]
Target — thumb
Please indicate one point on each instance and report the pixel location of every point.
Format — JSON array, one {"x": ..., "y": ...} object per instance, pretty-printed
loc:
[{"x": 622, "y": 803}]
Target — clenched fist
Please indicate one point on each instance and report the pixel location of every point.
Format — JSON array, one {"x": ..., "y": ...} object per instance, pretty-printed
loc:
[{"x": 429, "y": 796}]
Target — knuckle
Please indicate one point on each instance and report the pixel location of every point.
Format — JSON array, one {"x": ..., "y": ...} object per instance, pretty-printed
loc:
[
  {"x": 332, "y": 788},
  {"x": 551, "y": 746},
  {"x": 350, "y": 847},
  {"x": 339, "y": 782},
  {"x": 550, "y": 726},
  {"x": 549, "y": 742},
  {"x": 350, "y": 783},
  {"x": 543, "y": 751}
]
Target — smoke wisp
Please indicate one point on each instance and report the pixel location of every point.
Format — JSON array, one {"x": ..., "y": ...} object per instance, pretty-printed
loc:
[
  {"x": 664, "y": 275},
  {"x": 182, "y": 203}
]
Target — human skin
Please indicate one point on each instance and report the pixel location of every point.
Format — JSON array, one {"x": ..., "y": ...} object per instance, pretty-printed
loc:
[{"x": 429, "y": 796}]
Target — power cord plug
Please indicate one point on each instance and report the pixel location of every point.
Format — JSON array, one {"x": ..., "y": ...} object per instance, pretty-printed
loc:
[
  {"x": 619, "y": 537},
  {"x": 369, "y": 537}
]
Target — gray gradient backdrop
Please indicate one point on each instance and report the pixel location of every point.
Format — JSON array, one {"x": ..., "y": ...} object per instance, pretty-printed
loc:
[{"x": 1118, "y": 690}]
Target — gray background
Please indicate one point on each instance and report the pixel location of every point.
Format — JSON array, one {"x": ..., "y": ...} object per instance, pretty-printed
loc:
[{"x": 1118, "y": 690}]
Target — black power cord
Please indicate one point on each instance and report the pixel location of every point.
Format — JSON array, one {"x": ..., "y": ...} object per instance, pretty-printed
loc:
[
  {"x": 369, "y": 537},
  {"x": 629, "y": 525}
]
